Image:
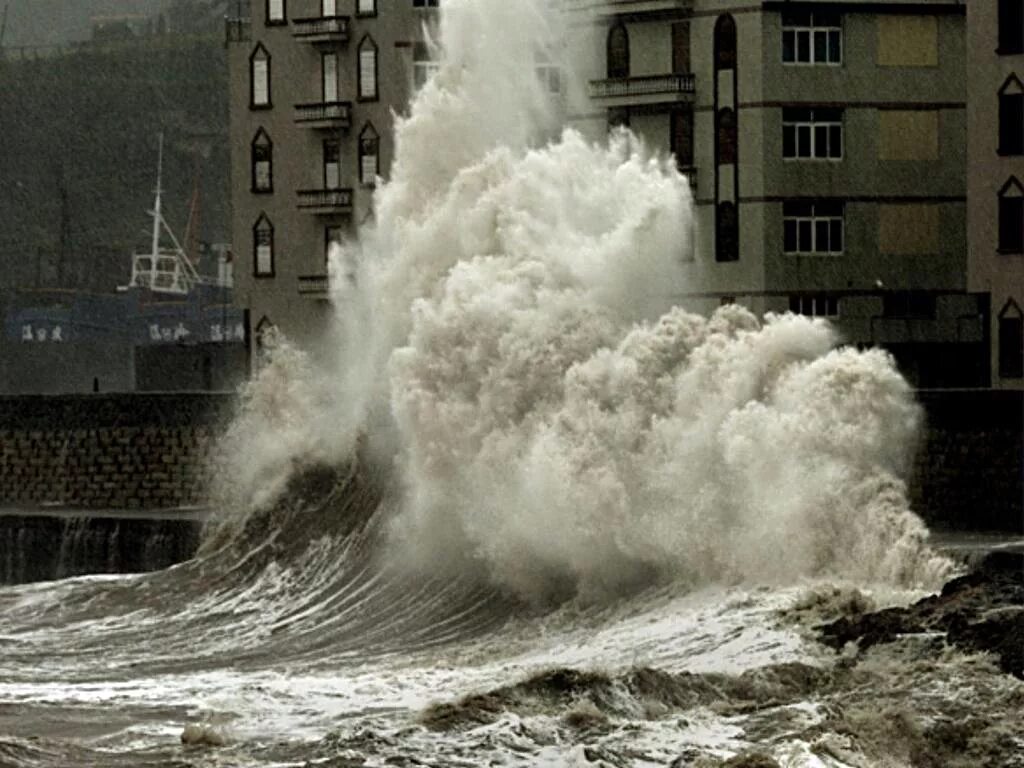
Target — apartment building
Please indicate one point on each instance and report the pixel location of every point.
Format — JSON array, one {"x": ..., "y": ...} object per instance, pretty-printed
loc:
[
  {"x": 995, "y": 194},
  {"x": 314, "y": 87},
  {"x": 826, "y": 142}
]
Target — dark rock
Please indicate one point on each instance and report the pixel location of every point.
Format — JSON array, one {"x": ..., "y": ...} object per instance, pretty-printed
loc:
[{"x": 982, "y": 611}]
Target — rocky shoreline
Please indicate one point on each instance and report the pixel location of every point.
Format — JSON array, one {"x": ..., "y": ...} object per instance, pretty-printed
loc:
[{"x": 982, "y": 611}]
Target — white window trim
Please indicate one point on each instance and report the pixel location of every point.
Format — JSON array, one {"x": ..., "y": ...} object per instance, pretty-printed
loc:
[
  {"x": 814, "y": 219},
  {"x": 811, "y": 29},
  {"x": 816, "y": 305},
  {"x": 811, "y": 124}
]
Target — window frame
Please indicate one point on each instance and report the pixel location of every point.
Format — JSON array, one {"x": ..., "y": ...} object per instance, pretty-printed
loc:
[
  {"x": 813, "y": 214},
  {"x": 332, "y": 155},
  {"x": 325, "y": 56},
  {"x": 796, "y": 23},
  {"x": 1011, "y": 91},
  {"x": 1011, "y": 366},
  {"x": 1006, "y": 45},
  {"x": 727, "y": 243},
  {"x": 366, "y": 135},
  {"x": 282, "y": 20},
  {"x": 263, "y": 225},
  {"x": 618, "y": 59},
  {"x": 261, "y": 143},
  {"x": 424, "y": 5},
  {"x": 366, "y": 14},
  {"x": 814, "y": 119},
  {"x": 809, "y": 304},
  {"x": 260, "y": 54},
  {"x": 327, "y": 239},
  {"x": 1013, "y": 191},
  {"x": 367, "y": 45}
]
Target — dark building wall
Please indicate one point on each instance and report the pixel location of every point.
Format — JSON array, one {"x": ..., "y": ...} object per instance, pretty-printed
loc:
[
  {"x": 125, "y": 451},
  {"x": 969, "y": 473}
]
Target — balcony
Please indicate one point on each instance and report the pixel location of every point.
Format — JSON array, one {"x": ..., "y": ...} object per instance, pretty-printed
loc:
[
  {"x": 628, "y": 8},
  {"x": 314, "y": 287},
  {"x": 646, "y": 90},
  {"x": 327, "y": 114},
  {"x": 237, "y": 30},
  {"x": 325, "y": 201},
  {"x": 321, "y": 30}
]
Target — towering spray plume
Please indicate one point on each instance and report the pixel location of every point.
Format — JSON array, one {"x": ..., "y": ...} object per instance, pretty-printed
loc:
[{"x": 512, "y": 344}]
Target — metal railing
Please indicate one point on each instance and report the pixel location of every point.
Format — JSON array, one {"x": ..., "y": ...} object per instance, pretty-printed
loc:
[
  {"x": 650, "y": 85},
  {"x": 314, "y": 286},
  {"x": 325, "y": 199},
  {"x": 335, "y": 112},
  {"x": 237, "y": 30},
  {"x": 333, "y": 27}
]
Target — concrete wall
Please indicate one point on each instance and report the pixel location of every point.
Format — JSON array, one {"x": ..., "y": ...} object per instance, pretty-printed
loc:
[{"x": 126, "y": 451}]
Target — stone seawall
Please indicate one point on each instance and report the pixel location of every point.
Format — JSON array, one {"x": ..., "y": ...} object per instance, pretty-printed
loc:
[
  {"x": 969, "y": 468},
  {"x": 117, "y": 451}
]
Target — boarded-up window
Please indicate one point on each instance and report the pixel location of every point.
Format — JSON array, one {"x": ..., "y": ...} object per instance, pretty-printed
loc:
[
  {"x": 908, "y": 41},
  {"x": 908, "y": 229},
  {"x": 908, "y": 134}
]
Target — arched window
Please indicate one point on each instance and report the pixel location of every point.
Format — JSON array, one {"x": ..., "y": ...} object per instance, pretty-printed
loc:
[
  {"x": 369, "y": 155},
  {"x": 367, "y": 69},
  {"x": 1011, "y": 341},
  {"x": 725, "y": 42},
  {"x": 1011, "y": 117},
  {"x": 726, "y": 232},
  {"x": 263, "y": 247},
  {"x": 618, "y": 51},
  {"x": 259, "y": 78},
  {"x": 1011, "y": 217},
  {"x": 262, "y": 154},
  {"x": 726, "y": 136}
]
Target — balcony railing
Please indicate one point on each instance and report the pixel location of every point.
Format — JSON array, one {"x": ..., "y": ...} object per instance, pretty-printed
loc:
[
  {"x": 237, "y": 29},
  {"x": 643, "y": 87},
  {"x": 632, "y": 7},
  {"x": 326, "y": 114},
  {"x": 321, "y": 29},
  {"x": 314, "y": 286},
  {"x": 326, "y": 200}
]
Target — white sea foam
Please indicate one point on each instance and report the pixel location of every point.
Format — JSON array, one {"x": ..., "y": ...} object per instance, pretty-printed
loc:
[{"x": 513, "y": 344}]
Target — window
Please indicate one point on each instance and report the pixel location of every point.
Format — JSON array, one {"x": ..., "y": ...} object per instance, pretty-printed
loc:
[
  {"x": 263, "y": 247},
  {"x": 727, "y": 232},
  {"x": 1011, "y": 26},
  {"x": 1011, "y": 217},
  {"x": 332, "y": 236},
  {"x": 329, "y": 77},
  {"x": 328, "y": 9},
  {"x": 367, "y": 69},
  {"x": 1011, "y": 341},
  {"x": 369, "y": 155},
  {"x": 548, "y": 73},
  {"x": 276, "y": 12},
  {"x": 681, "y": 48},
  {"x": 909, "y": 229},
  {"x": 332, "y": 164},
  {"x": 618, "y": 52},
  {"x": 725, "y": 42},
  {"x": 423, "y": 65},
  {"x": 908, "y": 40},
  {"x": 262, "y": 151},
  {"x": 1011, "y": 117},
  {"x": 726, "y": 136},
  {"x": 819, "y": 305},
  {"x": 424, "y": 3},
  {"x": 812, "y": 133},
  {"x": 366, "y": 8},
  {"x": 812, "y": 38},
  {"x": 908, "y": 134},
  {"x": 259, "y": 77},
  {"x": 681, "y": 140},
  {"x": 813, "y": 228},
  {"x": 265, "y": 336}
]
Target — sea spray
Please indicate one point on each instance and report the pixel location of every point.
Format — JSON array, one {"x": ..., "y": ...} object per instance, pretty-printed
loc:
[{"x": 513, "y": 345}]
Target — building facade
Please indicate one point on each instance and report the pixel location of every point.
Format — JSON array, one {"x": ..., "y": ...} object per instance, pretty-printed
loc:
[
  {"x": 314, "y": 87},
  {"x": 995, "y": 113},
  {"x": 827, "y": 146}
]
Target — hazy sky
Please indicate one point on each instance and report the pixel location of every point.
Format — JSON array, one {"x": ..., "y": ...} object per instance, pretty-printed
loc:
[{"x": 48, "y": 22}]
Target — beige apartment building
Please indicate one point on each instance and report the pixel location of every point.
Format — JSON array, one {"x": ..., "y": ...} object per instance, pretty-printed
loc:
[
  {"x": 995, "y": 186},
  {"x": 827, "y": 143},
  {"x": 314, "y": 86}
]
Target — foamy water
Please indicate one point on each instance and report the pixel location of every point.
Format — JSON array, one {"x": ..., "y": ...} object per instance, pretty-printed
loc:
[{"x": 583, "y": 522}]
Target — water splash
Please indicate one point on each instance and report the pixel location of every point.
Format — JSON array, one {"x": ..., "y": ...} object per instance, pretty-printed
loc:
[{"x": 512, "y": 345}]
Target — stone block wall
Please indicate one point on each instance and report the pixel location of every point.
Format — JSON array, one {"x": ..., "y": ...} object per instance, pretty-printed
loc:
[
  {"x": 969, "y": 469},
  {"x": 118, "y": 451}
]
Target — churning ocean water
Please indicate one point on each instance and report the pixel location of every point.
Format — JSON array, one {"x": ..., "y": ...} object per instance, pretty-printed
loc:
[{"x": 533, "y": 513}]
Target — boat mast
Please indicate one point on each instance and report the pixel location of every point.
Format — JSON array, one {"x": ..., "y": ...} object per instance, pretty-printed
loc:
[{"x": 155, "y": 250}]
